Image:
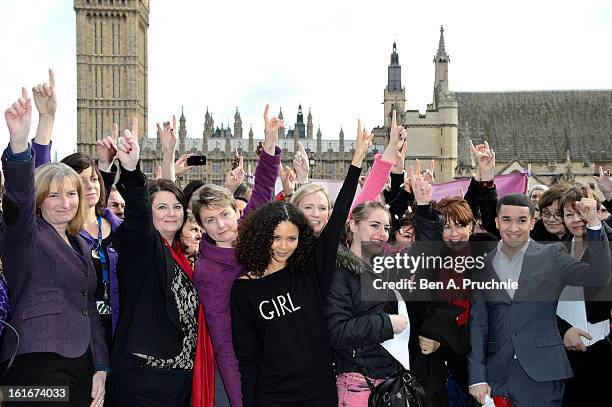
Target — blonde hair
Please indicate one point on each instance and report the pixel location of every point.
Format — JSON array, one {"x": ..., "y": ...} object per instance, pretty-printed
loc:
[
  {"x": 360, "y": 213},
  {"x": 57, "y": 173},
  {"x": 304, "y": 190},
  {"x": 208, "y": 196}
]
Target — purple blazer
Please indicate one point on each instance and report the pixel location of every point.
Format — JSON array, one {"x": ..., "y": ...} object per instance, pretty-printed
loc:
[
  {"x": 51, "y": 286},
  {"x": 215, "y": 272}
]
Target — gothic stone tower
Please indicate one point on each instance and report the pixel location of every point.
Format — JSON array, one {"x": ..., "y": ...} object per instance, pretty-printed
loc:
[{"x": 111, "y": 67}]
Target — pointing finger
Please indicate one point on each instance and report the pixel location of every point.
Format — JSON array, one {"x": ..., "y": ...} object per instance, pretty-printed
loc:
[
  {"x": 52, "y": 78},
  {"x": 266, "y": 110},
  {"x": 135, "y": 127},
  {"x": 589, "y": 192},
  {"x": 472, "y": 148},
  {"x": 115, "y": 132},
  {"x": 418, "y": 167},
  {"x": 393, "y": 120},
  {"x": 174, "y": 122}
]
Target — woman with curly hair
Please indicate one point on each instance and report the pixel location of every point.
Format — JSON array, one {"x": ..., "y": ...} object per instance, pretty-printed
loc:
[
  {"x": 278, "y": 326},
  {"x": 278, "y": 330}
]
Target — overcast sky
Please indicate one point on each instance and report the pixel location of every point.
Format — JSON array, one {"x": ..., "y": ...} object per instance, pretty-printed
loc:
[{"x": 331, "y": 56}]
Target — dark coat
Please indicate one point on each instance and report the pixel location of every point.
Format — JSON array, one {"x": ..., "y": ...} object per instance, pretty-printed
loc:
[
  {"x": 148, "y": 322},
  {"x": 357, "y": 328},
  {"x": 51, "y": 285}
]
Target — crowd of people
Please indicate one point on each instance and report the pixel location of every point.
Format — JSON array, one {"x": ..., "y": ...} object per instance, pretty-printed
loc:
[{"x": 139, "y": 292}]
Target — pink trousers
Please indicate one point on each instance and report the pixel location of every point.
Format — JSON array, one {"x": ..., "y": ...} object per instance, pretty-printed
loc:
[{"x": 353, "y": 391}]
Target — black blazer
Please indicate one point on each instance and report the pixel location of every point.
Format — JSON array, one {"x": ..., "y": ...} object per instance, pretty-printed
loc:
[{"x": 148, "y": 321}]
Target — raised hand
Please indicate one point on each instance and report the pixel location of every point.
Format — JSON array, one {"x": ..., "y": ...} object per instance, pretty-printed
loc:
[
  {"x": 300, "y": 164},
  {"x": 128, "y": 150},
  {"x": 363, "y": 142},
  {"x": 180, "y": 166},
  {"x": 422, "y": 189},
  {"x": 167, "y": 135},
  {"x": 235, "y": 177},
  {"x": 604, "y": 183},
  {"x": 485, "y": 159},
  {"x": 18, "y": 119},
  {"x": 397, "y": 136},
  {"x": 288, "y": 177},
  {"x": 45, "y": 97},
  {"x": 587, "y": 208},
  {"x": 107, "y": 149},
  {"x": 400, "y": 157},
  {"x": 272, "y": 126},
  {"x": 428, "y": 175}
]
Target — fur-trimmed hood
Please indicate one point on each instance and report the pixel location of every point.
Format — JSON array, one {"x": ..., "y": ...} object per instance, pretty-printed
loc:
[{"x": 349, "y": 261}]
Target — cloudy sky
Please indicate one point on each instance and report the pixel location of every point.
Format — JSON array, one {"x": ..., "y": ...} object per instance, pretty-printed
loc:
[{"x": 331, "y": 56}]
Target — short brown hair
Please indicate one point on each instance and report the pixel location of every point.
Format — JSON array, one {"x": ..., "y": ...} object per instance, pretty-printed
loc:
[
  {"x": 554, "y": 193},
  {"x": 456, "y": 209},
  {"x": 210, "y": 195},
  {"x": 573, "y": 194}
]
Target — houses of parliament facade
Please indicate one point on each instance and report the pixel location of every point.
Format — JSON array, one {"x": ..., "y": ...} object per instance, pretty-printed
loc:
[{"x": 561, "y": 134}]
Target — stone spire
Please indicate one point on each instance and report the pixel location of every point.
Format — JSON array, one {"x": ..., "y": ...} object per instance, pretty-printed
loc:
[
  {"x": 441, "y": 56},
  {"x": 394, "y": 74},
  {"x": 309, "y": 125},
  {"x": 341, "y": 141},
  {"x": 441, "y": 93},
  {"x": 300, "y": 127},
  {"x": 319, "y": 136},
  {"x": 237, "y": 125},
  {"x": 281, "y": 131},
  {"x": 182, "y": 131},
  {"x": 251, "y": 147}
]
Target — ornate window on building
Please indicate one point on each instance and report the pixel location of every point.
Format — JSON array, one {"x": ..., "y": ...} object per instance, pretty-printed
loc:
[
  {"x": 330, "y": 168},
  {"x": 216, "y": 168},
  {"x": 147, "y": 167}
]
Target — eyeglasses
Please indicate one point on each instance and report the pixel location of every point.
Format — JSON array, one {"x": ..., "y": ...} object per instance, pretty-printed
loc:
[{"x": 548, "y": 215}]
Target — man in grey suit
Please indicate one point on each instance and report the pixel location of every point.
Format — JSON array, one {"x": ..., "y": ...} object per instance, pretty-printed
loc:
[{"x": 516, "y": 349}]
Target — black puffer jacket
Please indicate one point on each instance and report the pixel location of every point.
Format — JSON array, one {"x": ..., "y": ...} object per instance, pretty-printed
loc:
[{"x": 357, "y": 328}]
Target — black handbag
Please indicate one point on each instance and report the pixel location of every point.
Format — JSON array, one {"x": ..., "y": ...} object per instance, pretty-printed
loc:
[{"x": 401, "y": 390}]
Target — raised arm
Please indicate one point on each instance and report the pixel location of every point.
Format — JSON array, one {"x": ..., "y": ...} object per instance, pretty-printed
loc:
[
  {"x": 267, "y": 166},
  {"x": 45, "y": 99},
  {"x": 597, "y": 273},
  {"x": 383, "y": 164},
  {"x": 19, "y": 213},
  {"x": 327, "y": 245},
  {"x": 482, "y": 193},
  {"x": 604, "y": 183},
  {"x": 168, "y": 139},
  {"x": 106, "y": 149},
  {"x": 137, "y": 227},
  {"x": 428, "y": 223}
]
